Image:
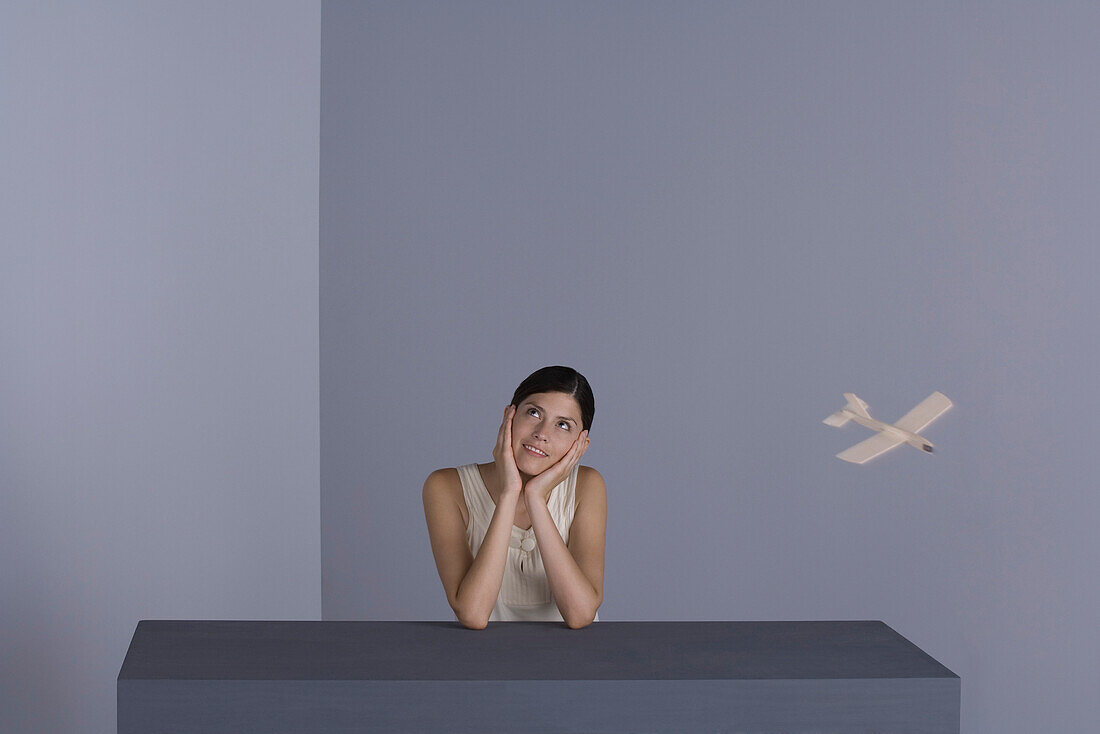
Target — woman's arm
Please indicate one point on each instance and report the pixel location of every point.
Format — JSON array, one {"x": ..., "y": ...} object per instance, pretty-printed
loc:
[
  {"x": 575, "y": 573},
  {"x": 472, "y": 584},
  {"x": 477, "y": 595}
]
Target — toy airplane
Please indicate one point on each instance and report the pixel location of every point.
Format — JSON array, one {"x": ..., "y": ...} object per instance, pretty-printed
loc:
[{"x": 889, "y": 436}]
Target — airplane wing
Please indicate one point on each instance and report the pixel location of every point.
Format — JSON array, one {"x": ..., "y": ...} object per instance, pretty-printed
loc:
[
  {"x": 931, "y": 408},
  {"x": 866, "y": 450}
]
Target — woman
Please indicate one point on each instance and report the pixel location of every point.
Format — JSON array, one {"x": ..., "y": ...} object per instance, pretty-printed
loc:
[{"x": 522, "y": 537}]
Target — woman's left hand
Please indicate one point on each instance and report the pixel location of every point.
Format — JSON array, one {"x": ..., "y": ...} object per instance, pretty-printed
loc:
[{"x": 540, "y": 486}]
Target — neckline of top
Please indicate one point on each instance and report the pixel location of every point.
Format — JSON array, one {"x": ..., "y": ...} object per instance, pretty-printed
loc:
[{"x": 481, "y": 481}]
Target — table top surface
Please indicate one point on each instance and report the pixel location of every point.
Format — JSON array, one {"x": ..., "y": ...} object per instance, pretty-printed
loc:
[{"x": 291, "y": 650}]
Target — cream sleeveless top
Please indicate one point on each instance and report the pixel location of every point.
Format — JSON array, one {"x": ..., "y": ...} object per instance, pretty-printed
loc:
[{"x": 524, "y": 591}]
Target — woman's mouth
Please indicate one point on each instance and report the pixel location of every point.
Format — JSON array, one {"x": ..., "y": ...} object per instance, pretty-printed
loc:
[{"x": 535, "y": 452}]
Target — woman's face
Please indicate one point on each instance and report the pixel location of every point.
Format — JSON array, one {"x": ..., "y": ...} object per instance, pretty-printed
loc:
[{"x": 549, "y": 422}]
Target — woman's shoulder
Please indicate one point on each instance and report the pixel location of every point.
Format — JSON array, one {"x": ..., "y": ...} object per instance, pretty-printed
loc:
[
  {"x": 446, "y": 477},
  {"x": 590, "y": 483},
  {"x": 446, "y": 482},
  {"x": 444, "y": 474},
  {"x": 452, "y": 478},
  {"x": 588, "y": 475}
]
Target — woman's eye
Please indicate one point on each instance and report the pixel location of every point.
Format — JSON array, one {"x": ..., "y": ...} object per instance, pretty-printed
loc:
[{"x": 534, "y": 412}]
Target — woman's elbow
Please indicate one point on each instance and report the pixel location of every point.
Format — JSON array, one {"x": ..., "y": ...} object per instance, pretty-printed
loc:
[
  {"x": 580, "y": 622},
  {"x": 473, "y": 625},
  {"x": 475, "y": 622}
]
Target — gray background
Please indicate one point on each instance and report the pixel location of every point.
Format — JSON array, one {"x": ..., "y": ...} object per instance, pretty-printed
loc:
[
  {"x": 159, "y": 452},
  {"x": 725, "y": 215}
]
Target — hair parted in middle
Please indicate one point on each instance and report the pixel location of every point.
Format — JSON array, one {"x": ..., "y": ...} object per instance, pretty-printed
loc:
[{"x": 559, "y": 379}]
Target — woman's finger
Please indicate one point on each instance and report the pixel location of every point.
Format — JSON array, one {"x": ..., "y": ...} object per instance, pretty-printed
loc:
[
  {"x": 501, "y": 434},
  {"x": 583, "y": 442},
  {"x": 575, "y": 454},
  {"x": 509, "y": 456}
]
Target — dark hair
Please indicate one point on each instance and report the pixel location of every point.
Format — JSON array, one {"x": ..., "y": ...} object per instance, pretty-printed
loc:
[{"x": 560, "y": 379}]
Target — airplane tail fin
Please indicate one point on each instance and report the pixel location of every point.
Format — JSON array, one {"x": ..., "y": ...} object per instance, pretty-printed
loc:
[
  {"x": 841, "y": 417},
  {"x": 856, "y": 405}
]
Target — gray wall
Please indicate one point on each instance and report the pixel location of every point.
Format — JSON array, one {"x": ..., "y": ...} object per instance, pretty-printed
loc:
[
  {"x": 725, "y": 215},
  {"x": 159, "y": 396}
]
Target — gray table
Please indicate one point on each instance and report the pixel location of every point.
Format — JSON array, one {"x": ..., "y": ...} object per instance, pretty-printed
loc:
[{"x": 187, "y": 677}]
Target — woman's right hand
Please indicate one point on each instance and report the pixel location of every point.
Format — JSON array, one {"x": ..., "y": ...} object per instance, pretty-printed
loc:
[{"x": 504, "y": 461}]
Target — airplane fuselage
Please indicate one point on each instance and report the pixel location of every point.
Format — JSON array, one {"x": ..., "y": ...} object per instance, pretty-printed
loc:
[{"x": 913, "y": 439}]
